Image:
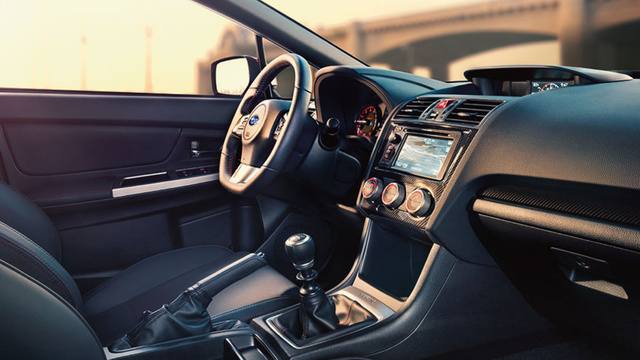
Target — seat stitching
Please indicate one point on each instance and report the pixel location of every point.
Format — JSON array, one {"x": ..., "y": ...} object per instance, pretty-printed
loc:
[
  {"x": 64, "y": 292},
  {"x": 45, "y": 253},
  {"x": 60, "y": 278}
]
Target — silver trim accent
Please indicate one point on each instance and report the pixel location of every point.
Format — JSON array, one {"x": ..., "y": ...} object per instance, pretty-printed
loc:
[
  {"x": 244, "y": 173},
  {"x": 383, "y": 298},
  {"x": 144, "y": 176},
  {"x": 301, "y": 237},
  {"x": 163, "y": 185},
  {"x": 370, "y": 303},
  {"x": 305, "y": 266}
]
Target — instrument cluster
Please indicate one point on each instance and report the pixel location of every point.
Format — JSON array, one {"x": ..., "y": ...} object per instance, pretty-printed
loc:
[{"x": 369, "y": 119}]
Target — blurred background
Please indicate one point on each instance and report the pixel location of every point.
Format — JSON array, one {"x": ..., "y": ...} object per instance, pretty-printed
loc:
[{"x": 166, "y": 46}]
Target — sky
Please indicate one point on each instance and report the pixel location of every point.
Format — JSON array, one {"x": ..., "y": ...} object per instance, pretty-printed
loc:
[{"x": 51, "y": 44}]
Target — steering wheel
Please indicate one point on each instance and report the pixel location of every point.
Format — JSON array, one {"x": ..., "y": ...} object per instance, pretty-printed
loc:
[{"x": 265, "y": 132}]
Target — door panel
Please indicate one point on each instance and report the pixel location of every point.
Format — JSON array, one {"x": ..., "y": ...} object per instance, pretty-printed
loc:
[
  {"x": 54, "y": 149},
  {"x": 62, "y": 148},
  {"x": 72, "y": 152}
]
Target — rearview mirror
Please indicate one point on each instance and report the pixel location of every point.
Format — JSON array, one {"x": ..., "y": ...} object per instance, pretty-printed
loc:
[{"x": 232, "y": 75}]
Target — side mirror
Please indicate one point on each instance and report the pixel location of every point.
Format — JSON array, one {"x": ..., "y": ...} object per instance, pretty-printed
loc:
[{"x": 232, "y": 75}]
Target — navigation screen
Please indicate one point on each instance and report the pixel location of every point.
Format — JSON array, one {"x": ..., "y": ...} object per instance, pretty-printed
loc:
[{"x": 423, "y": 155}]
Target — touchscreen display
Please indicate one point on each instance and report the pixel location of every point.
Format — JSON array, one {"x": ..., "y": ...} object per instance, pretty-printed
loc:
[{"x": 423, "y": 155}]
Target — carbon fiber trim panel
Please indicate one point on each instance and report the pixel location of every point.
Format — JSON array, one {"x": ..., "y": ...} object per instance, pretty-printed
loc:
[
  {"x": 584, "y": 205},
  {"x": 377, "y": 210}
]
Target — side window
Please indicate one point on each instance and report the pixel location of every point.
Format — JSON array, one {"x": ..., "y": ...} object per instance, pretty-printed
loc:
[{"x": 145, "y": 46}]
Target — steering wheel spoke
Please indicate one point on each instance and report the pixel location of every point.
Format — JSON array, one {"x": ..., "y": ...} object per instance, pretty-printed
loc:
[
  {"x": 244, "y": 173},
  {"x": 240, "y": 125}
]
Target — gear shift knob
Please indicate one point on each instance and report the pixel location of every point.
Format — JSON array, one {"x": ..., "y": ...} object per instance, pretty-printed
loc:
[{"x": 300, "y": 249}]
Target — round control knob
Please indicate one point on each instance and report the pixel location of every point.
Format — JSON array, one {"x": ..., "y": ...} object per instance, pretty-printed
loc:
[
  {"x": 419, "y": 202},
  {"x": 393, "y": 195},
  {"x": 372, "y": 189},
  {"x": 394, "y": 138}
]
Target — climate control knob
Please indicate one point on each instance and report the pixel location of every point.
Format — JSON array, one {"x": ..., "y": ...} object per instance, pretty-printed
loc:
[
  {"x": 393, "y": 195},
  {"x": 419, "y": 202},
  {"x": 372, "y": 189}
]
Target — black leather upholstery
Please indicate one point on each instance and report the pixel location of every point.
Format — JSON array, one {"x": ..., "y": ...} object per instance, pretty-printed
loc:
[
  {"x": 30, "y": 243},
  {"x": 116, "y": 306},
  {"x": 30, "y": 258},
  {"x": 38, "y": 324},
  {"x": 25, "y": 216}
]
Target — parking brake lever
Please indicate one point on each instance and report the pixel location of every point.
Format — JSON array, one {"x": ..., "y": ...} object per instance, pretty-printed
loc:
[{"x": 187, "y": 315}]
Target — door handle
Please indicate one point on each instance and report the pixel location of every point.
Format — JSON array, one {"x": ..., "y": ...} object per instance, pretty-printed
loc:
[{"x": 197, "y": 150}]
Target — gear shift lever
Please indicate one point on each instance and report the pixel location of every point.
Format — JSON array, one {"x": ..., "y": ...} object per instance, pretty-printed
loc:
[
  {"x": 317, "y": 313},
  {"x": 301, "y": 249}
]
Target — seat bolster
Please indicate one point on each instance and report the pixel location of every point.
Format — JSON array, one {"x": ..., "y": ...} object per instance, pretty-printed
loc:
[
  {"x": 22, "y": 214},
  {"x": 21, "y": 252},
  {"x": 38, "y": 324},
  {"x": 116, "y": 306}
]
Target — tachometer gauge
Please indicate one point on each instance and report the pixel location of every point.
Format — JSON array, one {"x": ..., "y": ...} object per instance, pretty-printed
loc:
[
  {"x": 539, "y": 86},
  {"x": 366, "y": 121}
]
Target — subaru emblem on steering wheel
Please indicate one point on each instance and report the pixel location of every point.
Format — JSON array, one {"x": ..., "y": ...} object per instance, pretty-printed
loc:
[{"x": 254, "y": 120}]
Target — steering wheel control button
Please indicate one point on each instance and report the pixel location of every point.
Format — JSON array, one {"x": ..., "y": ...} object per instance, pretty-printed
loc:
[
  {"x": 239, "y": 128},
  {"x": 254, "y": 123},
  {"x": 372, "y": 189},
  {"x": 393, "y": 195},
  {"x": 419, "y": 202},
  {"x": 280, "y": 125}
]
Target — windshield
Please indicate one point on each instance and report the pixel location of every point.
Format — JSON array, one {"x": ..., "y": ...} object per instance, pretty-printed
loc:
[
  {"x": 441, "y": 39},
  {"x": 167, "y": 46}
]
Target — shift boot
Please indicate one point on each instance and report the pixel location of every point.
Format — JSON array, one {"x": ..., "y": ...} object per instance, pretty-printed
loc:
[{"x": 187, "y": 315}]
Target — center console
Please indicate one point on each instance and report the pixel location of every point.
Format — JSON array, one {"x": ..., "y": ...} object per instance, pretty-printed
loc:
[
  {"x": 411, "y": 167},
  {"x": 408, "y": 172}
]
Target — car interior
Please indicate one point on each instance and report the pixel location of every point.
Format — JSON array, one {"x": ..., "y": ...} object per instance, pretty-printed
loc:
[{"x": 371, "y": 214}]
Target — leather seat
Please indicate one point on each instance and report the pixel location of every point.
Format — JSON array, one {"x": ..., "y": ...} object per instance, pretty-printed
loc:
[{"x": 30, "y": 243}]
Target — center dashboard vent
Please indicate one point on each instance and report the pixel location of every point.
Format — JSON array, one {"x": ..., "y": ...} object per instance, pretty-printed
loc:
[
  {"x": 472, "y": 111},
  {"x": 415, "y": 108}
]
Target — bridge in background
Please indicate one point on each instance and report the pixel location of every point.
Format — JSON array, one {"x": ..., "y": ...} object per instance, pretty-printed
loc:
[{"x": 592, "y": 33}]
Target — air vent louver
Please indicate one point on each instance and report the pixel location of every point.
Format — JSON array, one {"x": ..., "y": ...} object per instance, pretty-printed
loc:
[
  {"x": 414, "y": 108},
  {"x": 472, "y": 111}
]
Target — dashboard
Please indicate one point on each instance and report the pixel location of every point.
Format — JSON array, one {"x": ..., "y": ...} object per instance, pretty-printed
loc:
[
  {"x": 525, "y": 80},
  {"x": 527, "y": 168}
]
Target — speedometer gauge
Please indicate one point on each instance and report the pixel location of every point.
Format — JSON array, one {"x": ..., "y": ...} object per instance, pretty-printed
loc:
[{"x": 366, "y": 121}]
